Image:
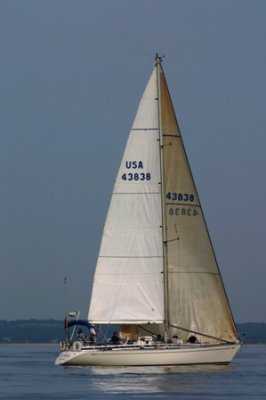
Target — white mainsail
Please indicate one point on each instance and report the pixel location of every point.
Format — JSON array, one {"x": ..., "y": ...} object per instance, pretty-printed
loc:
[
  {"x": 156, "y": 262},
  {"x": 128, "y": 282}
]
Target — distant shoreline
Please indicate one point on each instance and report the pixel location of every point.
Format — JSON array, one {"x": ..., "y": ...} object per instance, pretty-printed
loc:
[{"x": 34, "y": 331}]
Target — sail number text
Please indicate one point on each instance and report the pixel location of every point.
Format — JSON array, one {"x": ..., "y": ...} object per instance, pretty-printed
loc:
[
  {"x": 180, "y": 196},
  {"x": 135, "y": 176},
  {"x": 179, "y": 211}
]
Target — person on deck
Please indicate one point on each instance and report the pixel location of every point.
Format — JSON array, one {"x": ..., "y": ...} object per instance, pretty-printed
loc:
[
  {"x": 115, "y": 339},
  {"x": 176, "y": 340},
  {"x": 193, "y": 339},
  {"x": 80, "y": 335},
  {"x": 92, "y": 335}
]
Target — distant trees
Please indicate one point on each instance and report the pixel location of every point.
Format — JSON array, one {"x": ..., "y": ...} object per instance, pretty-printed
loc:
[
  {"x": 52, "y": 331},
  {"x": 33, "y": 331}
]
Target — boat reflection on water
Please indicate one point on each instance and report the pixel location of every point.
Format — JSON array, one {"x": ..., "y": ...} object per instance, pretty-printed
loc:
[{"x": 172, "y": 379}]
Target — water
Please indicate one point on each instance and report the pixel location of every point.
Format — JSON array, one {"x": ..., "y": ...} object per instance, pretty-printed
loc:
[{"x": 28, "y": 372}]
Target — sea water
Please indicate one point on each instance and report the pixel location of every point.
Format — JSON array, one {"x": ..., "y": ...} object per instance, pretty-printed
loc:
[{"x": 28, "y": 372}]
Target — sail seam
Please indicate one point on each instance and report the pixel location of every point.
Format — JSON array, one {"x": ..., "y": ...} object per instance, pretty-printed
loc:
[
  {"x": 136, "y": 193},
  {"x": 144, "y": 129},
  {"x": 129, "y": 274},
  {"x": 175, "y": 136},
  {"x": 193, "y": 272},
  {"x": 130, "y": 256},
  {"x": 183, "y": 204}
]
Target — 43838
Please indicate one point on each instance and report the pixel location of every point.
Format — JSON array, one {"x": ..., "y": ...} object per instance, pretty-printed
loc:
[
  {"x": 180, "y": 196},
  {"x": 136, "y": 176},
  {"x": 179, "y": 211}
]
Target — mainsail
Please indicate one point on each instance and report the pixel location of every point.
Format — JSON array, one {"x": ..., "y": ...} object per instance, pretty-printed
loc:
[
  {"x": 128, "y": 282},
  {"x": 156, "y": 262}
]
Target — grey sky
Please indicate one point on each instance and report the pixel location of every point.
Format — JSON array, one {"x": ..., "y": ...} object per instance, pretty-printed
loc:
[{"x": 71, "y": 76}]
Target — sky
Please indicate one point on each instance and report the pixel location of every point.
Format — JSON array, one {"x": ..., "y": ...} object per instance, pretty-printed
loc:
[{"x": 71, "y": 76}]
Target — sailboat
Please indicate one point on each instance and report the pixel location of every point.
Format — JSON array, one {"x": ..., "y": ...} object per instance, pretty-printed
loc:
[{"x": 157, "y": 277}]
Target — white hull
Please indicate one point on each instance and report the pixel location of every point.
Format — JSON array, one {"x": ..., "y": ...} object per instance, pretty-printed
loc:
[{"x": 183, "y": 355}]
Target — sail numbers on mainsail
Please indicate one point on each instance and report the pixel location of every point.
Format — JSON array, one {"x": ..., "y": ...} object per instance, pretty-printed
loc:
[{"x": 136, "y": 176}]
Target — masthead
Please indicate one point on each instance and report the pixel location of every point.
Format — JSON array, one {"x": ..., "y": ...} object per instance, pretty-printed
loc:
[{"x": 158, "y": 59}]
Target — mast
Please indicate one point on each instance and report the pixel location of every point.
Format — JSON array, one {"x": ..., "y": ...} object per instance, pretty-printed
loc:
[{"x": 158, "y": 61}]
